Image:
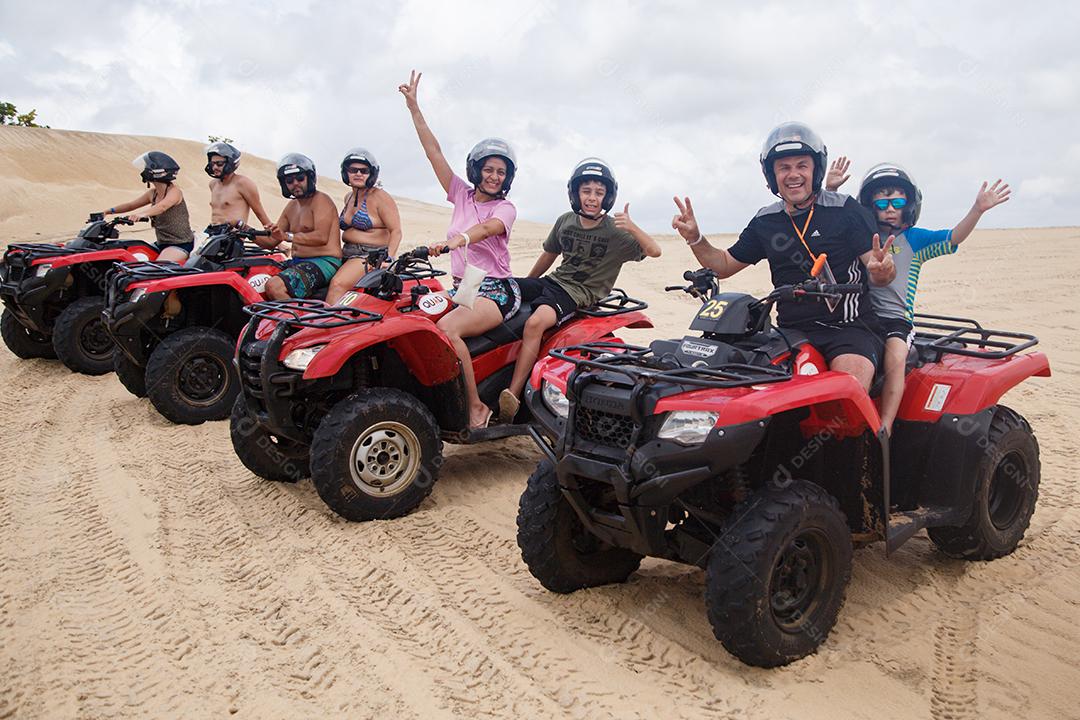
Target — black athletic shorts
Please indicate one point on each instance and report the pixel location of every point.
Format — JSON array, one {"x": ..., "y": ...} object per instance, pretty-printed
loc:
[
  {"x": 537, "y": 292},
  {"x": 188, "y": 247},
  {"x": 853, "y": 338},
  {"x": 897, "y": 328}
]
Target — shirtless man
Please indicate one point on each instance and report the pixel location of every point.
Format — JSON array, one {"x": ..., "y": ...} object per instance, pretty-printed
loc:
[
  {"x": 232, "y": 196},
  {"x": 309, "y": 223}
]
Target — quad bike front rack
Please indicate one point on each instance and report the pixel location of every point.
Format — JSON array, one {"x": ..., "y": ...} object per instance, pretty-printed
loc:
[
  {"x": 310, "y": 313},
  {"x": 616, "y": 303}
]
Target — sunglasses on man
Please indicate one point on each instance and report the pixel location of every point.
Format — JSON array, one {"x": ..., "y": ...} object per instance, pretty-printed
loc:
[
  {"x": 359, "y": 170},
  {"x": 884, "y": 203}
]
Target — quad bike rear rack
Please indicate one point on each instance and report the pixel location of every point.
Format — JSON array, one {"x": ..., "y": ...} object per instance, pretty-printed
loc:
[
  {"x": 310, "y": 313},
  {"x": 638, "y": 364},
  {"x": 944, "y": 334},
  {"x": 616, "y": 303}
]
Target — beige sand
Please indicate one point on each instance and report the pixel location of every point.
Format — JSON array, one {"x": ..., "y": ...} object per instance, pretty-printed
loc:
[{"x": 145, "y": 573}]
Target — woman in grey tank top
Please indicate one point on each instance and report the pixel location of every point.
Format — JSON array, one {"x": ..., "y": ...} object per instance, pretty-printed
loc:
[{"x": 167, "y": 210}]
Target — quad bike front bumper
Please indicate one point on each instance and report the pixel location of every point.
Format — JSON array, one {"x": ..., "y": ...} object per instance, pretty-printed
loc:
[{"x": 28, "y": 295}]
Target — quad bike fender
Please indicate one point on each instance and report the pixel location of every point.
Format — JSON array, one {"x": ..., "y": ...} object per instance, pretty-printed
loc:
[
  {"x": 836, "y": 400},
  {"x": 237, "y": 282},
  {"x": 423, "y": 347},
  {"x": 591, "y": 329},
  {"x": 121, "y": 255},
  {"x": 965, "y": 385}
]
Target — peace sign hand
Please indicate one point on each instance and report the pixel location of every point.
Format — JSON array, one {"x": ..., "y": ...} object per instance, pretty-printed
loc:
[
  {"x": 987, "y": 199},
  {"x": 881, "y": 264},
  {"x": 409, "y": 90},
  {"x": 685, "y": 222}
]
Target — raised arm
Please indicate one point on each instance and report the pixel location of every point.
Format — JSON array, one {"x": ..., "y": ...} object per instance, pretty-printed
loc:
[
  {"x": 427, "y": 138},
  {"x": 878, "y": 261},
  {"x": 716, "y": 259},
  {"x": 986, "y": 199},
  {"x": 650, "y": 247},
  {"x": 838, "y": 173}
]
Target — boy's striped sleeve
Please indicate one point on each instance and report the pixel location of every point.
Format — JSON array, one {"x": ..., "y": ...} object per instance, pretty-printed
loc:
[{"x": 933, "y": 250}]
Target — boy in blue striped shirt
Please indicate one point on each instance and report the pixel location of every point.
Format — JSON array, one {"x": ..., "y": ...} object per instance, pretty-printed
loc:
[{"x": 891, "y": 194}]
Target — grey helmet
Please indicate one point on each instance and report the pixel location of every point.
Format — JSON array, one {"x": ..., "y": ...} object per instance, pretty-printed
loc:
[
  {"x": 793, "y": 138},
  {"x": 156, "y": 166},
  {"x": 359, "y": 154},
  {"x": 888, "y": 174},
  {"x": 289, "y": 166},
  {"x": 491, "y": 147},
  {"x": 227, "y": 151},
  {"x": 592, "y": 169}
]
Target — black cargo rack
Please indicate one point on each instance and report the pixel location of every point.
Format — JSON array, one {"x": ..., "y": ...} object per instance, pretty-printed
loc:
[
  {"x": 39, "y": 250},
  {"x": 633, "y": 362},
  {"x": 310, "y": 313},
  {"x": 964, "y": 336},
  {"x": 617, "y": 303}
]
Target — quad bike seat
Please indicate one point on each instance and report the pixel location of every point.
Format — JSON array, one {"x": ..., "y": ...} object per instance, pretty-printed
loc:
[{"x": 502, "y": 334}]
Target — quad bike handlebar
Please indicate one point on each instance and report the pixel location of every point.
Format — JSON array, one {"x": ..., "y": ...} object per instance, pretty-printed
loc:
[{"x": 703, "y": 284}]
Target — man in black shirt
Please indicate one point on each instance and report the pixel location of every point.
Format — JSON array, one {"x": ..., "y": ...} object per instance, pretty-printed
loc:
[{"x": 807, "y": 226}]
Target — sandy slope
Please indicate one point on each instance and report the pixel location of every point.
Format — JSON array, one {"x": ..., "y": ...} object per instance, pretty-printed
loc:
[{"x": 144, "y": 572}]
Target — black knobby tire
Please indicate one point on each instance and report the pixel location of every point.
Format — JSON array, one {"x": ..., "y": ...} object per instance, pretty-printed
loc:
[
  {"x": 132, "y": 376},
  {"x": 1006, "y": 490},
  {"x": 776, "y": 577},
  {"x": 263, "y": 453},
  {"x": 376, "y": 455},
  {"x": 22, "y": 341},
  {"x": 555, "y": 545},
  {"x": 190, "y": 377},
  {"x": 80, "y": 339}
]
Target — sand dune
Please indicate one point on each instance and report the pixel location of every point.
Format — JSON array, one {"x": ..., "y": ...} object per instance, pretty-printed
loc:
[{"x": 144, "y": 572}]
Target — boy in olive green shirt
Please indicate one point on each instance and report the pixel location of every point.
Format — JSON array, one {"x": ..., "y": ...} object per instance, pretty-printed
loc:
[{"x": 594, "y": 247}]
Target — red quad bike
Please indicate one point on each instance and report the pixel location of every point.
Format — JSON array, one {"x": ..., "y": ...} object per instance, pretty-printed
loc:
[
  {"x": 53, "y": 294},
  {"x": 175, "y": 326},
  {"x": 361, "y": 395},
  {"x": 740, "y": 452}
]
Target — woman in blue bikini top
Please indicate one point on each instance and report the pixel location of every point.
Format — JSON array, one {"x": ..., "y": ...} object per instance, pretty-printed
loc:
[{"x": 368, "y": 221}]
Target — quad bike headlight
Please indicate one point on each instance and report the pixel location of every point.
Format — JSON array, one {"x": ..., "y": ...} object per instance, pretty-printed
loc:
[
  {"x": 300, "y": 359},
  {"x": 555, "y": 399},
  {"x": 42, "y": 270},
  {"x": 688, "y": 427}
]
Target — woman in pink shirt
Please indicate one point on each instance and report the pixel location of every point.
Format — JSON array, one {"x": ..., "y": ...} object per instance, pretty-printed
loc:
[{"x": 482, "y": 220}]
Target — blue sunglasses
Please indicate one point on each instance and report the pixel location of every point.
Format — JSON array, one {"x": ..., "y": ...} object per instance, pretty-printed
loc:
[{"x": 884, "y": 203}]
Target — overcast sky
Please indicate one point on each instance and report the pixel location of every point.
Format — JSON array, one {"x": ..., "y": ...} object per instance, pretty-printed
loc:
[{"x": 678, "y": 100}]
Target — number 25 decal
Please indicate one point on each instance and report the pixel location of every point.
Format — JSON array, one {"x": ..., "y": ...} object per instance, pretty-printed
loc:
[{"x": 713, "y": 309}]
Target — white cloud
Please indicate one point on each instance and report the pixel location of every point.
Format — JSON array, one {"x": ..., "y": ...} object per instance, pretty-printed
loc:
[{"x": 677, "y": 99}]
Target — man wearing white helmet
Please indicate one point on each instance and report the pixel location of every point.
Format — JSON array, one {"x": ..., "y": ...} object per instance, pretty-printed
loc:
[
  {"x": 808, "y": 229},
  {"x": 232, "y": 196}
]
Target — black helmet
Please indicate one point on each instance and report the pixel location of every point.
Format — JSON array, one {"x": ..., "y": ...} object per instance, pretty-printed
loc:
[
  {"x": 289, "y": 166},
  {"x": 885, "y": 175},
  {"x": 359, "y": 154},
  {"x": 156, "y": 166},
  {"x": 793, "y": 138},
  {"x": 491, "y": 147},
  {"x": 227, "y": 151},
  {"x": 592, "y": 169}
]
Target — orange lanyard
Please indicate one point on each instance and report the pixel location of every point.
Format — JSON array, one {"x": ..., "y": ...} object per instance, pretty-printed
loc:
[{"x": 818, "y": 260}]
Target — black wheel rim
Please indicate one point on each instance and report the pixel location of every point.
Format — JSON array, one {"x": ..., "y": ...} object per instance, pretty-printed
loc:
[
  {"x": 95, "y": 341},
  {"x": 1007, "y": 488},
  {"x": 203, "y": 379},
  {"x": 800, "y": 580}
]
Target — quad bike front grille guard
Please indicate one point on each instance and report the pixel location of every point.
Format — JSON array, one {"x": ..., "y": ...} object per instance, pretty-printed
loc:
[
  {"x": 617, "y": 303},
  {"x": 309, "y": 313},
  {"x": 964, "y": 336}
]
